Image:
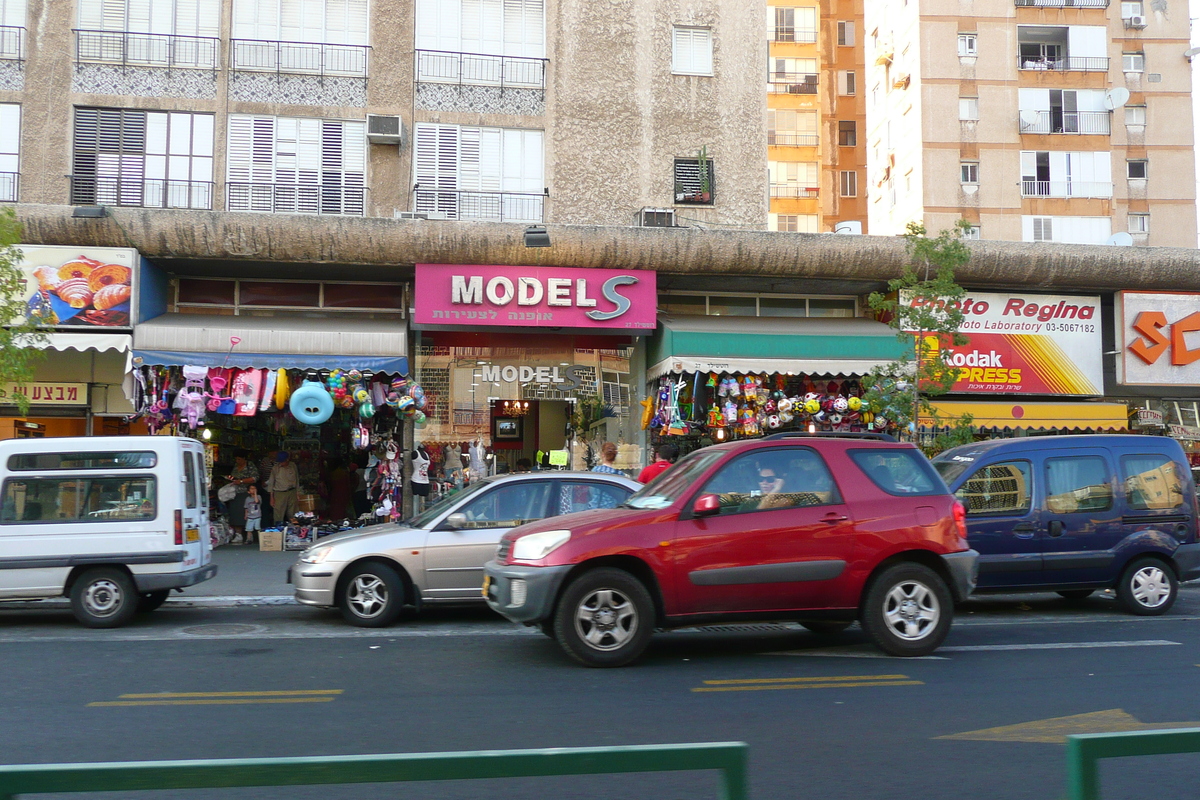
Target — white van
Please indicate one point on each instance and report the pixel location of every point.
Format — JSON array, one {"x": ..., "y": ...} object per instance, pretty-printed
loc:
[{"x": 113, "y": 523}]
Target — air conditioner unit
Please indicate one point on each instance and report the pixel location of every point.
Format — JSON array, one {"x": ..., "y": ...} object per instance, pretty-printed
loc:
[
  {"x": 410, "y": 215},
  {"x": 799, "y": 88},
  {"x": 383, "y": 129},
  {"x": 655, "y": 218},
  {"x": 436, "y": 214},
  {"x": 1136, "y": 21}
]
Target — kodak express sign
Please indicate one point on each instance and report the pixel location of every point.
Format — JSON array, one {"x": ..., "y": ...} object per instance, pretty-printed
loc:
[{"x": 1158, "y": 338}]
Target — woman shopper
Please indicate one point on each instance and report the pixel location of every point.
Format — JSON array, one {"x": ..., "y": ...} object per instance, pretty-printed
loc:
[
  {"x": 242, "y": 475},
  {"x": 608, "y": 458}
]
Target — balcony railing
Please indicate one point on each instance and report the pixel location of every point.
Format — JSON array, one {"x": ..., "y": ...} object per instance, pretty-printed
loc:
[
  {"x": 91, "y": 190},
  {"x": 480, "y": 69},
  {"x": 1065, "y": 189},
  {"x": 146, "y": 49},
  {"x": 302, "y": 58},
  {"x": 1062, "y": 3},
  {"x": 10, "y": 187},
  {"x": 1082, "y": 122},
  {"x": 792, "y": 139},
  {"x": 491, "y": 206},
  {"x": 787, "y": 190},
  {"x": 12, "y": 43},
  {"x": 294, "y": 198},
  {"x": 1065, "y": 64},
  {"x": 798, "y": 35},
  {"x": 793, "y": 82}
]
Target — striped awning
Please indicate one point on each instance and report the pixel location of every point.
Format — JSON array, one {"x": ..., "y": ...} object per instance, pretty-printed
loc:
[{"x": 1033, "y": 416}]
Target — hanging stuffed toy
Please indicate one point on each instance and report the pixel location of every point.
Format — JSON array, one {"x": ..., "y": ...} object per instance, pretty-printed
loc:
[
  {"x": 647, "y": 411},
  {"x": 311, "y": 404},
  {"x": 716, "y": 419},
  {"x": 283, "y": 389},
  {"x": 731, "y": 412},
  {"x": 247, "y": 388}
]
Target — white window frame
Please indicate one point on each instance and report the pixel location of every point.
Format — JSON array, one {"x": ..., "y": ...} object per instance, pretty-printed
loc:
[
  {"x": 968, "y": 173},
  {"x": 1045, "y": 223},
  {"x": 10, "y": 152},
  {"x": 1132, "y": 9},
  {"x": 1138, "y": 114},
  {"x": 847, "y": 82},
  {"x": 1133, "y": 61},
  {"x": 848, "y": 183},
  {"x": 972, "y": 233},
  {"x": 145, "y": 28},
  {"x": 968, "y": 44},
  {"x": 1139, "y": 223},
  {"x": 968, "y": 109},
  {"x": 845, "y": 33},
  {"x": 792, "y": 223},
  {"x": 295, "y": 165},
  {"x": 1145, "y": 169},
  {"x": 786, "y": 126},
  {"x": 691, "y": 50}
]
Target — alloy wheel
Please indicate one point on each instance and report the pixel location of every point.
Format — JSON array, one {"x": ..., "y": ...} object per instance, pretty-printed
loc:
[
  {"x": 606, "y": 619},
  {"x": 911, "y": 610},
  {"x": 367, "y": 595}
]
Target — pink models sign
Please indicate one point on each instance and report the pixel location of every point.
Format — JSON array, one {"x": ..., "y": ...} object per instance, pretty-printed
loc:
[{"x": 547, "y": 297}]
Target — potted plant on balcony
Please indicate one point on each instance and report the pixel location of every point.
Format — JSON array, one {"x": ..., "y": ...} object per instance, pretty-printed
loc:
[{"x": 702, "y": 194}]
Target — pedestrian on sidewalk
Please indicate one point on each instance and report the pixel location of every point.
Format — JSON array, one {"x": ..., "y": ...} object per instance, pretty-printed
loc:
[
  {"x": 283, "y": 485},
  {"x": 253, "y": 515}
]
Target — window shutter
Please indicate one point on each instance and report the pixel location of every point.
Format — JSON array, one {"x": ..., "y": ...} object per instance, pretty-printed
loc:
[
  {"x": 435, "y": 166},
  {"x": 13, "y": 13},
  {"x": 100, "y": 15},
  {"x": 524, "y": 28},
  {"x": 439, "y": 24}
]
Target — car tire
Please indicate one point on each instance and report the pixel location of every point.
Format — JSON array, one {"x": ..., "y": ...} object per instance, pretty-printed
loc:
[
  {"x": 103, "y": 597},
  {"x": 605, "y": 618},
  {"x": 908, "y": 610},
  {"x": 1076, "y": 595},
  {"x": 372, "y": 596},
  {"x": 1148, "y": 587},
  {"x": 151, "y": 601},
  {"x": 828, "y": 630}
]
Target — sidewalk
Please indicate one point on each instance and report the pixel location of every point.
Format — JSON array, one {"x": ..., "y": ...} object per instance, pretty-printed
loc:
[{"x": 247, "y": 574}]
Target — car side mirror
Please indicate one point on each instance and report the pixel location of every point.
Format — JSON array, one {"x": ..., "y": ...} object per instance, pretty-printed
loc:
[
  {"x": 706, "y": 505},
  {"x": 456, "y": 521}
]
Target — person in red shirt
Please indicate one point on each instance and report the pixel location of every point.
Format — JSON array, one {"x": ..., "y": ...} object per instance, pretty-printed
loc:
[{"x": 667, "y": 453}]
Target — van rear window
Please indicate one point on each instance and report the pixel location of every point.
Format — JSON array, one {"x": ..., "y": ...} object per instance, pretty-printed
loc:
[
  {"x": 27, "y": 500},
  {"x": 34, "y": 462}
]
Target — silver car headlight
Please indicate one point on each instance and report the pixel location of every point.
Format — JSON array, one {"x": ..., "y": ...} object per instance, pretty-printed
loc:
[
  {"x": 316, "y": 555},
  {"x": 539, "y": 545}
]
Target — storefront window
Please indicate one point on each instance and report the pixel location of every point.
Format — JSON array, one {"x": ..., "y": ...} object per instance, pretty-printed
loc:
[
  {"x": 782, "y": 307},
  {"x": 733, "y": 306},
  {"x": 690, "y": 304},
  {"x": 757, "y": 305},
  {"x": 831, "y": 307}
]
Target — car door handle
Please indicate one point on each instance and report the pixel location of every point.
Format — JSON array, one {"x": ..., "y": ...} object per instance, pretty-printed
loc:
[
  {"x": 833, "y": 517},
  {"x": 1055, "y": 528},
  {"x": 1024, "y": 527}
]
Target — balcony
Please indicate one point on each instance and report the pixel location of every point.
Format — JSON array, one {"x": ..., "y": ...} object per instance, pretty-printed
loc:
[
  {"x": 477, "y": 69},
  {"x": 1064, "y": 64},
  {"x": 792, "y": 191},
  {"x": 793, "y": 82},
  {"x": 10, "y": 187},
  {"x": 146, "y": 49},
  {"x": 1061, "y": 3},
  {"x": 294, "y": 198},
  {"x": 1067, "y": 188},
  {"x": 792, "y": 139},
  {"x": 12, "y": 43},
  {"x": 1057, "y": 121},
  {"x": 489, "y": 206},
  {"x": 136, "y": 191},
  {"x": 794, "y": 35},
  {"x": 299, "y": 58}
]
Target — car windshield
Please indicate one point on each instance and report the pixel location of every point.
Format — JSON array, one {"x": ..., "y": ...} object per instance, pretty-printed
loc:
[
  {"x": 951, "y": 466},
  {"x": 670, "y": 485},
  {"x": 426, "y": 517}
]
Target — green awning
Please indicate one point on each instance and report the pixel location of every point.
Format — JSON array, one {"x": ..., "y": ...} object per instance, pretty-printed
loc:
[{"x": 789, "y": 345}]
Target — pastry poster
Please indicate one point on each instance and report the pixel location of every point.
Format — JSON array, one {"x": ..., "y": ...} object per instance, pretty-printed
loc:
[{"x": 72, "y": 287}]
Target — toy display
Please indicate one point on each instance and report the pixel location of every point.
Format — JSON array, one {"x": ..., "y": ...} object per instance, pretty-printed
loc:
[{"x": 724, "y": 406}]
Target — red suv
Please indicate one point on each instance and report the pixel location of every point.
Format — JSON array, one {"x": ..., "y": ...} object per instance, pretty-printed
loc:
[{"x": 820, "y": 529}]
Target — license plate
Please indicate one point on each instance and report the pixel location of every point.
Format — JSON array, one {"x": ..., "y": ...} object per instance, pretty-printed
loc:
[
  {"x": 487, "y": 581},
  {"x": 193, "y": 534}
]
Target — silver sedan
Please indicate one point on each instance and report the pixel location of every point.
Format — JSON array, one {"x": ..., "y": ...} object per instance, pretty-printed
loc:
[{"x": 438, "y": 556}]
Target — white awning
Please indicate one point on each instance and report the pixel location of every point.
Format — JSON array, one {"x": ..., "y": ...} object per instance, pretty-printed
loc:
[
  {"x": 100, "y": 342},
  {"x": 285, "y": 341}
]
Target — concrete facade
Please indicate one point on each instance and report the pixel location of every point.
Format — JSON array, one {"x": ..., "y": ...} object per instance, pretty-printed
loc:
[{"x": 1024, "y": 57}]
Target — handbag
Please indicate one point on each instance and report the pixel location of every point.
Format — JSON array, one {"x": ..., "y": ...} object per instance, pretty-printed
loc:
[{"x": 227, "y": 492}]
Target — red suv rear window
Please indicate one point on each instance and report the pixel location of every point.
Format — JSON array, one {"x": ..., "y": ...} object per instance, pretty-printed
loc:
[{"x": 904, "y": 473}]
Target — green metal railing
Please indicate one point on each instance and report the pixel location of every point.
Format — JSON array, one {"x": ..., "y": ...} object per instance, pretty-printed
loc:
[
  {"x": 730, "y": 758},
  {"x": 1084, "y": 752}
]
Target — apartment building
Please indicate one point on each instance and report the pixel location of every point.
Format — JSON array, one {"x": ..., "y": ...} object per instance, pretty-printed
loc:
[
  {"x": 814, "y": 115},
  {"x": 501, "y": 110},
  {"x": 1037, "y": 120}
]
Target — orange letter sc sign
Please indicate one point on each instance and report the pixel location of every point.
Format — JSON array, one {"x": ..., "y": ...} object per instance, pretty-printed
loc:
[{"x": 1150, "y": 324}]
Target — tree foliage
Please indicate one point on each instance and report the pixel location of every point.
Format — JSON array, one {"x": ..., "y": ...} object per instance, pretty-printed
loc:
[
  {"x": 19, "y": 336},
  {"x": 923, "y": 305}
]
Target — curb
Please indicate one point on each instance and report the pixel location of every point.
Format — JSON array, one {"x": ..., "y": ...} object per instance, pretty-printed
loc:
[{"x": 182, "y": 601}]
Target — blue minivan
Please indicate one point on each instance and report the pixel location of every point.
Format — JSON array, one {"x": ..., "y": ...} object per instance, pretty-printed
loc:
[{"x": 1073, "y": 514}]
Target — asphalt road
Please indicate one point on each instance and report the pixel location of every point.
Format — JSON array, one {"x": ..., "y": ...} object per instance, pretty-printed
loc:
[{"x": 982, "y": 719}]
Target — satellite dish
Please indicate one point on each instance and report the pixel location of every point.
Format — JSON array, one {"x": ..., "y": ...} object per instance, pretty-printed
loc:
[
  {"x": 850, "y": 226},
  {"x": 1029, "y": 119},
  {"x": 1121, "y": 239},
  {"x": 1191, "y": 52},
  {"x": 1115, "y": 98}
]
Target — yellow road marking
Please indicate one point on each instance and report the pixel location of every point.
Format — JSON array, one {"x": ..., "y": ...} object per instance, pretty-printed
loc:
[
  {"x": 1055, "y": 730},
  {"x": 809, "y": 680},
  {"x": 842, "y": 684},
  {"x": 277, "y": 693},
  {"x": 214, "y": 701}
]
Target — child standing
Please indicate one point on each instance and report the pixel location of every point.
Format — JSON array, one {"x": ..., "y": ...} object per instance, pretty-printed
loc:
[{"x": 253, "y": 514}]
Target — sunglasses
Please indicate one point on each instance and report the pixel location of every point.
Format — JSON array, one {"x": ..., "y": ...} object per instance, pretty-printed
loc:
[{"x": 767, "y": 479}]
